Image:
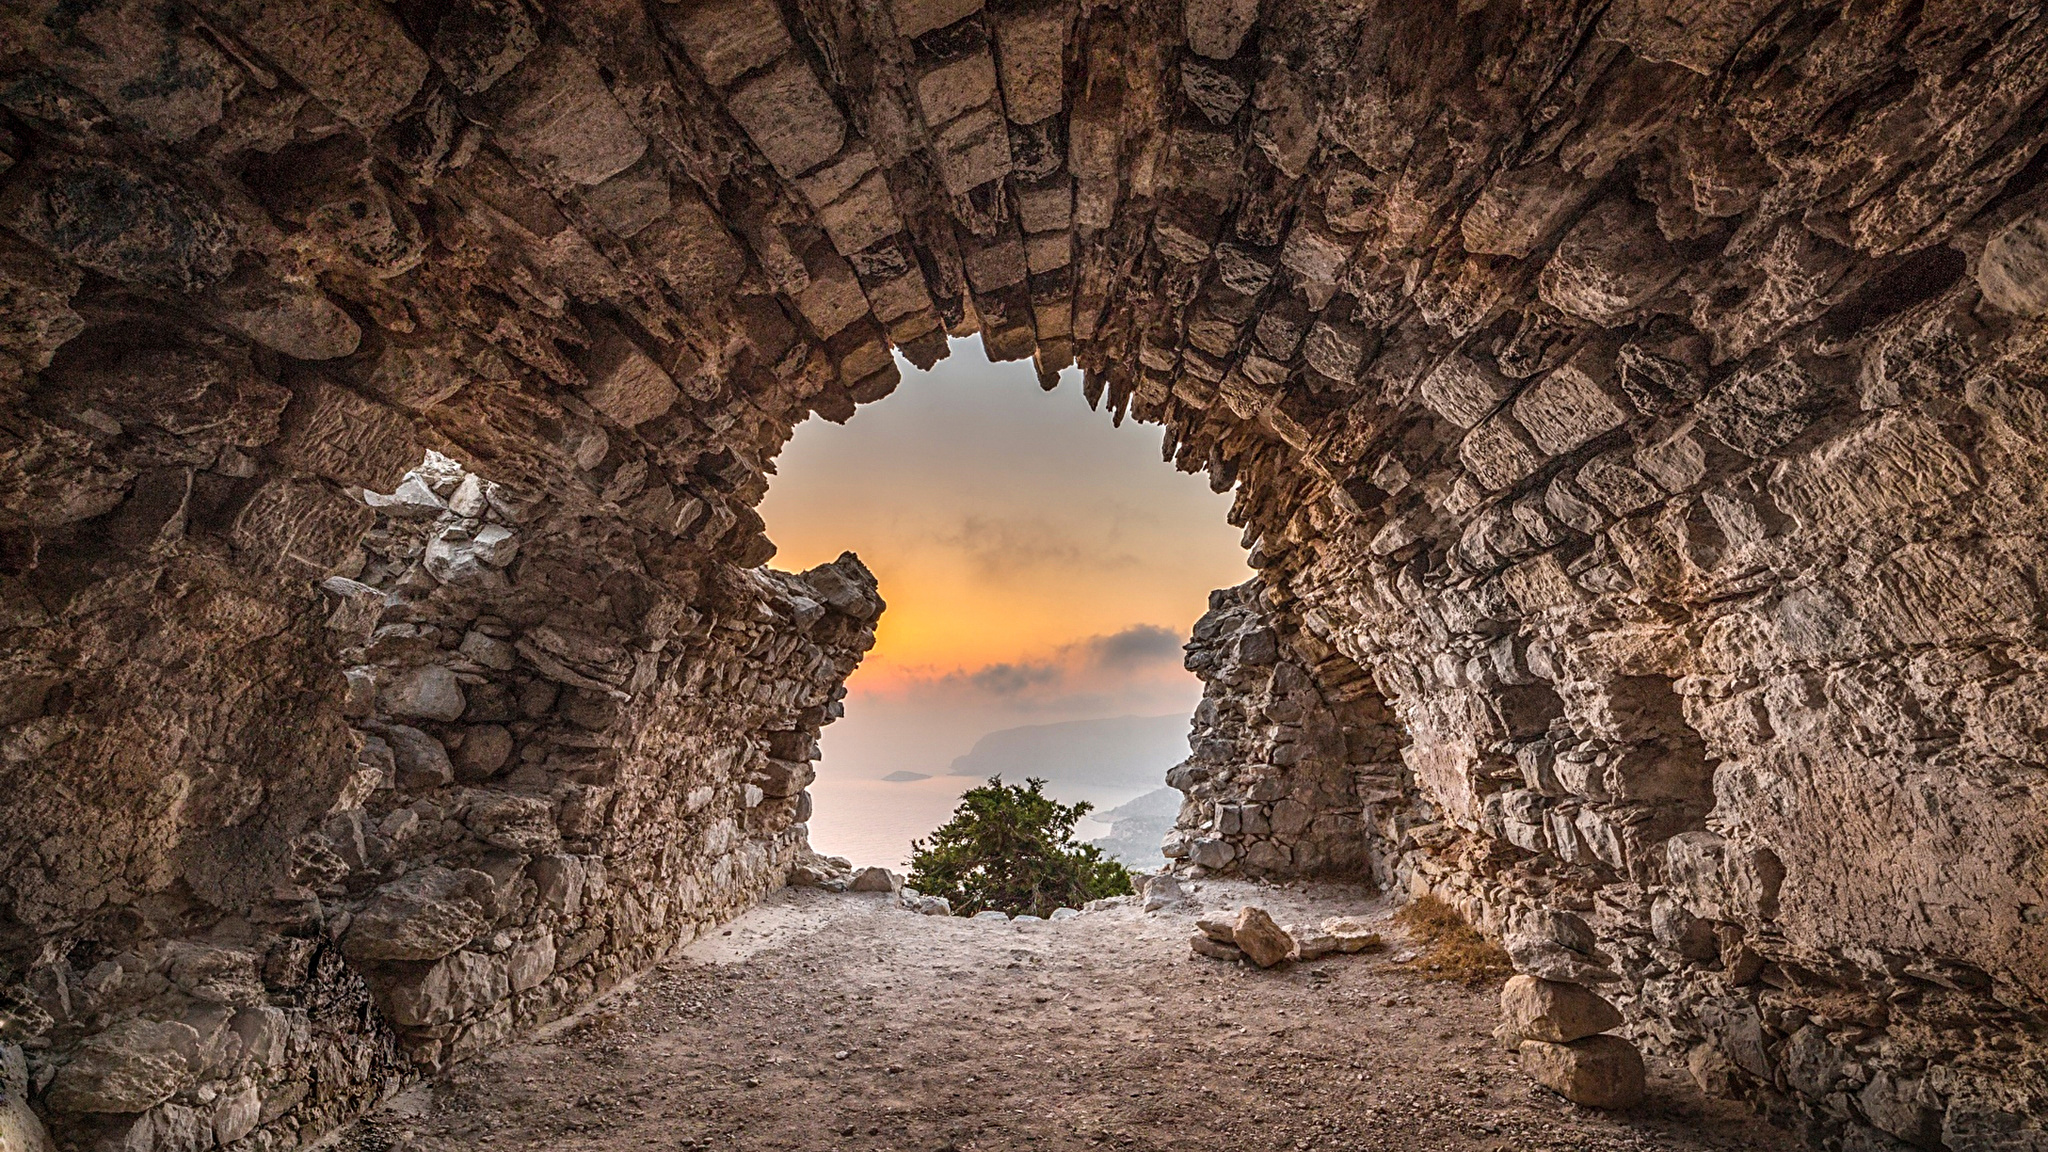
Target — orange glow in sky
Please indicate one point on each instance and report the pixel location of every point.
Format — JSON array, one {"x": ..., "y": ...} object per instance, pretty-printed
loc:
[{"x": 1003, "y": 522}]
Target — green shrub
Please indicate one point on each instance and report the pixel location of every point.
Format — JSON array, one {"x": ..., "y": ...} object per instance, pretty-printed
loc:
[{"x": 1012, "y": 849}]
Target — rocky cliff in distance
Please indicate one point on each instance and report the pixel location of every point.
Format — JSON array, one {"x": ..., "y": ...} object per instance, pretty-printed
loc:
[{"x": 1636, "y": 413}]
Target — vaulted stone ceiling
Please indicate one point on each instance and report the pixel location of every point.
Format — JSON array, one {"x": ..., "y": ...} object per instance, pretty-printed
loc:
[{"x": 1635, "y": 411}]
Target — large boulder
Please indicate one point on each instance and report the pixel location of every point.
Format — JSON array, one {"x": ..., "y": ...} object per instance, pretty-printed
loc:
[
  {"x": 1538, "y": 1009},
  {"x": 1597, "y": 1071}
]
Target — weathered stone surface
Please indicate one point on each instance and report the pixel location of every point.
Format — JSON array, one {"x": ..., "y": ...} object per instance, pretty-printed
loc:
[
  {"x": 727, "y": 40},
  {"x": 423, "y": 916},
  {"x": 352, "y": 55},
  {"x": 1263, "y": 942},
  {"x": 555, "y": 114},
  {"x": 791, "y": 119},
  {"x": 1538, "y": 1009},
  {"x": 129, "y": 1067},
  {"x": 1598, "y": 1071}
]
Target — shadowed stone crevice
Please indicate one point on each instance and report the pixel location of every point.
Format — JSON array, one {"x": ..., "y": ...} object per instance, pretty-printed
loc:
[{"x": 1635, "y": 415}]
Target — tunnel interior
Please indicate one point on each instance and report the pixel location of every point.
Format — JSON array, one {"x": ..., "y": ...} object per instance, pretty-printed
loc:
[{"x": 1635, "y": 415}]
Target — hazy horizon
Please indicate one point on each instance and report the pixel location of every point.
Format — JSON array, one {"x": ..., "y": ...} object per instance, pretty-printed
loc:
[{"x": 1040, "y": 566}]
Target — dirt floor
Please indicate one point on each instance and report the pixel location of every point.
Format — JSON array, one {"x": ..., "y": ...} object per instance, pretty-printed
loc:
[{"x": 823, "y": 1022}]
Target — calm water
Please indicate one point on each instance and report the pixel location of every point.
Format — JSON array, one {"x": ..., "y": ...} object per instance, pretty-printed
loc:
[{"x": 874, "y": 821}]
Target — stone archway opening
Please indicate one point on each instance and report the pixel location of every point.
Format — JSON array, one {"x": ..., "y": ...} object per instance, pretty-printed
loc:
[{"x": 1649, "y": 403}]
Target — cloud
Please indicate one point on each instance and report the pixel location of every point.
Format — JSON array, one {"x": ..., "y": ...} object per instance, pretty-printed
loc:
[
  {"x": 1004, "y": 547},
  {"x": 1123, "y": 669}
]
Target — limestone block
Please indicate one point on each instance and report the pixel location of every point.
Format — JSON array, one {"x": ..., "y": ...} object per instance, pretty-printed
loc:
[
  {"x": 833, "y": 300},
  {"x": 265, "y": 1033},
  {"x": 514, "y": 823},
  {"x": 125, "y": 222},
  {"x": 781, "y": 778},
  {"x": 949, "y": 88},
  {"x": 530, "y": 961},
  {"x": 235, "y": 1115},
  {"x": 132, "y": 1066},
  {"x": 139, "y": 62},
  {"x": 874, "y": 880},
  {"x": 1316, "y": 258},
  {"x": 895, "y": 299},
  {"x": 691, "y": 250},
  {"x": 21, "y": 1130},
  {"x": 1598, "y": 1071},
  {"x": 630, "y": 201},
  {"x": 838, "y": 177},
  {"x": 299, "y": 524},
  {"x": 789, "y": 117},
  {"x": 1719, "y": 879},
  {"x": 1352, "y": 935},
  {"x": 1498, "y": 452},
  {"x": 862, "y": 217},
  {"x": 1214, "y": 949},
  {"x": 424, "y": 915},
  {"x": 561, "y": 880},
  {"x": 555, "y": 114},
  {"x": 1242, "y": 269},
  {"x": 1519, "y": 208},
  {"x": 1095, "y": 137},
  {"x": 352, "y": 55},
  {"x": 917, "y": 17},
  {"x": 625, "y": 382},
  {"x": 993, "y": 267},
  {"x": 1559, "y": 1013},
  {"x": 1463, "y": 391},
  {"x": 1031, "y": 45},
  {"x": 477, "y": 42},
  {"x": 1262, "y": 941},
  {"x": 1337, "y": 349},
  {"x": 2013, "y": 272},
  {"x": 429, "y": 692},
  {"x": 1216, "y": 28},
  {"x": 972, "y": 150},
  {"x": 725, "y": 39},
  {"x": 462, "y": 985},
  {"x": 1555, "y": 946},
  {"x": 1698, "y": 34},
  {"x": 293, "y": 318},
  {"x": 1611, "y": 263},
  {"x": 1568, "y": 407},
  {"x": 1611, "y": 479}
]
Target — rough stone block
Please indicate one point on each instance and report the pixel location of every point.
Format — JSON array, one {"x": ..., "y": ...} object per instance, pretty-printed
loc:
[
  {"x": 972, "y": 150},
  {"x": 1568, "y": 407},
  {"x": 1264, "y": 943},
  {"x": 1598, "y": 1071},
  {"x": 1612, "y": 262},
  {"x": 130, "y": 1067},
  {"x": 1046, "y": 207},
  {"x": 691, "y": 250},
  {"x": 1337, "y": 349},
  {"x": 993, "y": 267},
  {"x": 1718, "y": 879},
  {"x": 1216, "y": 28},
  {"x": 462, "y": 985},
  {"x": 139, "y": 62},
  {"x": 952, "y": 87},
  {"x": 1518, "y": 209},
  {"x": 1499, "y": 453},
  {"x": 895, "y": 299},
  {"x": 424, "y": 915},
  {"x": 862, "y": 217},
  {"x": 296, "y": 319},
  {"x": 1031, "y": 45},
  {"x": 833, "y": 299},
  {"x": 631, "y": 200},
  {"x": 1698, "y": 34},
  {"x": 555, "y": 115},
  {"x": 917, "y": 17},
  {"x": 789, "y": 116},
  {"x": 726, "y": 39},
  {"x": 1559, "y": 1013},
  {"x": 477, "y": 42},
  {"x": 625, "y": 382},
  {"x": 119, "y": 220},
  {"x": 1463, "y": 391},
  {"x": 2013, "y": 272},
  {"x": 352, "y": 55},
  {"x": 333, "y": 432}
]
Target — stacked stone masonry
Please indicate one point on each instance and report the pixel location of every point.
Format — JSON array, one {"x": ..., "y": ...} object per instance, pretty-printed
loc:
[{"x": 1636, "y": 413}]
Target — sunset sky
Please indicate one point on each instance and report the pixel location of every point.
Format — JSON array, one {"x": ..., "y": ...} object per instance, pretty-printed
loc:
[{"x": 1039, "y": 564}]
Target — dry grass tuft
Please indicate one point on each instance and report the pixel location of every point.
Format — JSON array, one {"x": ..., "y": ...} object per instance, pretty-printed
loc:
[{"x": 1451, "y": 949}]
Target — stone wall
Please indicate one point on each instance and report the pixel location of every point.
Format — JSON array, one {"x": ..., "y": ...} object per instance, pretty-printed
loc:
[{"x": 1646, "y": 401}]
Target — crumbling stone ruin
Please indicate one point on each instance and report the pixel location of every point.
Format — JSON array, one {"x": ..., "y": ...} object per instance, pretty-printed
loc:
[{"x": 1635, "y": 410}]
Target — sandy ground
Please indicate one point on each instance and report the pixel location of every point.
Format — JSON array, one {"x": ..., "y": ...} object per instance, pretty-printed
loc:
[{"x": 822, "y": 1022}]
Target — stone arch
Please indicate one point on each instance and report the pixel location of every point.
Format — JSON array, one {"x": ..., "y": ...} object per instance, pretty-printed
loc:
[{"x": 1670, "y": 378}]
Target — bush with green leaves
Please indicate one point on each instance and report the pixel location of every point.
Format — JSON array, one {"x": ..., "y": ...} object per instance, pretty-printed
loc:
[{"x": 1011, "y": 848}]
